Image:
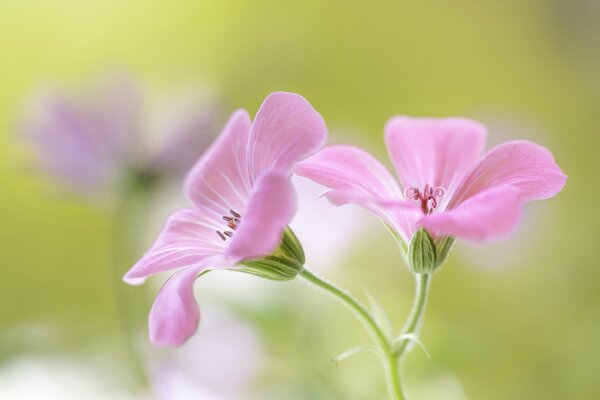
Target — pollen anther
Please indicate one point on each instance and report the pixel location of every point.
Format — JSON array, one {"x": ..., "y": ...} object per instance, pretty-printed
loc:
[
  {"x": 429, "y": 194},
  {"x": 232, "y": 223}
]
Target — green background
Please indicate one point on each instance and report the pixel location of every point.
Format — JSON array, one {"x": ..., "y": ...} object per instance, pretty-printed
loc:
[{"x": 513, "y": 320}]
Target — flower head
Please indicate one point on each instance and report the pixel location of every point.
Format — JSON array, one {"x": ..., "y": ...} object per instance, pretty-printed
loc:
[
  {"x": 92, "y": 141},
  {"x": 242, "y": 202},
  {"x": 447, "y": 186}
]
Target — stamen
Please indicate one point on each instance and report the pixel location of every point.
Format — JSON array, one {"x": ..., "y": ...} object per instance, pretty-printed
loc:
[
  {"x": 411, "y": 193},
  {"x": 433, "y": 202},
  {"x": 232, "y": 223},
  {"x": 429, "y": 194}
]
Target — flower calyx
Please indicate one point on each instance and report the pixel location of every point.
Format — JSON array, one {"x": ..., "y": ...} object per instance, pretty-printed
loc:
[
  {"x": 283, "y": 264},
  {"x": 426, "y": 255}
]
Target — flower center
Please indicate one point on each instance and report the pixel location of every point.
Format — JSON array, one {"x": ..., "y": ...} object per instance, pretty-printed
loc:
[
  {"x": 429, "y": 194},
  {"x": 232, "y": 222}
]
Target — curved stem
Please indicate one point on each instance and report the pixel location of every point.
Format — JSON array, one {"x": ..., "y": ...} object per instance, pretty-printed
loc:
[
  {"x": 413, "y": 322},
  {"x": 360, "y": 310},
  {"x": 393, "y": 377},
  {"x": 392, "y": 356},
  {"x": 131, "y": 205},
  {"x": 390, "y": 360}
]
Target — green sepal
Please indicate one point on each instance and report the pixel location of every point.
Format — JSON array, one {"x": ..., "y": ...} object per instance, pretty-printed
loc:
[
  {"x": 291, "y": 246},
  {"x": 422, "y": 253},
  {"x": 443, "y": 248},
  {"x": 283, "y": 264},
  {"x": 426, "y": 255}
]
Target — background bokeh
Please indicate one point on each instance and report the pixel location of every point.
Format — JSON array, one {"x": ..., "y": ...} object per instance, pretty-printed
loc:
[{"x": 513, "y": 320}]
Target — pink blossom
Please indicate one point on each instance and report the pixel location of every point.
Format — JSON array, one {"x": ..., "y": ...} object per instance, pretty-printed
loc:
[
  {"x": 242, "y": 202},
  {"x": 89, "y": 142},
  {"x": 446, "y": 184},
  {"x": 226, "y": 346}
]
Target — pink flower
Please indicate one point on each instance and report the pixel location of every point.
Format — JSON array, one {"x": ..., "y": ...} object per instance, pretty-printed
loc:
[
  {"x": 447, "y": 186},
  {"x": 226, "y": 346},
  {"x": 91, "y": 142},
  {"x": 242, "y": 202}
]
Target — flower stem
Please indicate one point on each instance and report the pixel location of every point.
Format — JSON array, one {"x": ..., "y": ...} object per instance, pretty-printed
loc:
[
  {"x": 393, "y": 377},
  {"x": 375, "y": 330},
  {"x": 413, "y": 322},
  {"x": 391, "y": 355},
  {"x": 360, "y": 310},
  {"x": 131, "y": 204}
]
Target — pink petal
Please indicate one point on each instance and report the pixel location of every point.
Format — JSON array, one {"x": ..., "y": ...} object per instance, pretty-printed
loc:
[
  {"x": 434, "y": 151},
  {"x": 219, "y": 181},
  {"x": 175, "y": 314},
  {"x": 187, "y": 238},
  {"x": 526, "y": 166},
  {"x": 357, "y": 177},
  {"x": 490, "y": 214},
  {"x": 349, "y": 169},
  {"x": 270, "y": 209},
  {"x": 188, "y": 134},
  {"x": 400, "y": 215},
  {"x": 285, "y": 130},
  {"x": 66, "y": 142},
  {"x": 115, "y": 110}
]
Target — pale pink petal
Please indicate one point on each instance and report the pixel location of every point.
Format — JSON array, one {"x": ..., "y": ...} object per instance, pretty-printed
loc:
[
  {"x": 357, "y": 177},
  {"x": 399, "y": 214},
  {"x": 433, "y": 151},
  {"x": 490, "y": 214},
  {"x": 66, "y": 142},
  {"x": 175, "y": 314},
  {"x": 187, "y": 238},
  {"x": 270, "y": 209},
  {"x": 114, "y": 110},
  {"x": 188, "y": 134},
  {"x": 524, "y": 165},
  {"x": 219, "y": 181},
  {"x": 286, "y": 129},
  {"x": 349, "y": 169}
]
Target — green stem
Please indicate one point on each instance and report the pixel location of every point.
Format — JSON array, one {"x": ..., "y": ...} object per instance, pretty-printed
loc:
[
  {"x": 391, "y": 362},
  {"x": 393, "y": 377},
  {"x": 130, "y": 207},
  {"x": 413, "y": 322},
  {"x": 392, "y": 356},
  {"x": 360, "y": 310}
]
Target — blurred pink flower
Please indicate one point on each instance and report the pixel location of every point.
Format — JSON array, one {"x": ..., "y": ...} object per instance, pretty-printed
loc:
[
  {"x": 220, "y": 362},
  {"x": 240, "y": 185},
  {"x": 447, "y": 185},
  {"x": 91, "y": 142}
]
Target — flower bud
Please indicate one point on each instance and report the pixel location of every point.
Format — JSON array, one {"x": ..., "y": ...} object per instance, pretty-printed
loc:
[
  {"x": 424, "y": 254},
  {"x": 283, "y": 264}
]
